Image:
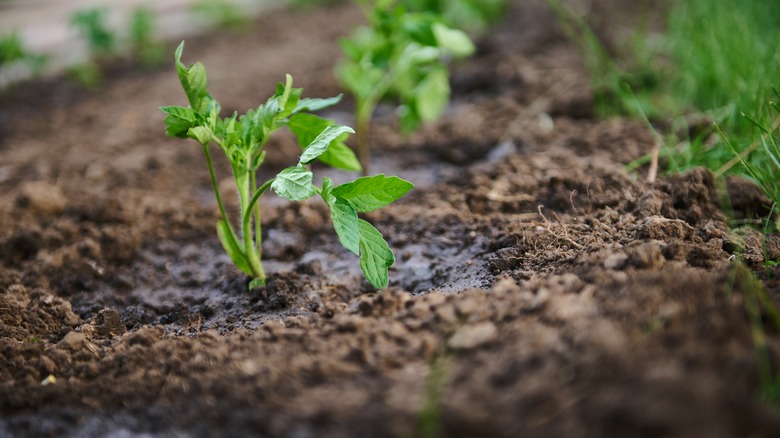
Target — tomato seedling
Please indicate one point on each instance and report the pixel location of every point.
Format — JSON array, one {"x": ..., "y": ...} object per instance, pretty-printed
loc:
[
  {"x": 403, "y": 56},
  {"x": 91, "y": 23},
  {"x": 242, "y": 139},
  {"x": 12, "y": 51}
]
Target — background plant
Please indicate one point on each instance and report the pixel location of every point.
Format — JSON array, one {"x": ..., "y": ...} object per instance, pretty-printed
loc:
[
  {"x": 91, "y": 24},
  {"x": 710, "y": 64},
  {"x": 12, "y": 51},
  {"x": 401, "y": 56},
  {"x": 764, "y": 168},
  {"x": 243, "y": 138},
  {"x": 141, "y": 38},
  {"x": 224, "y": 13}
]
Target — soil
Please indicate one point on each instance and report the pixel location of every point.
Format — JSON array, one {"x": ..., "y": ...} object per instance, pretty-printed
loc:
[{"x": 539, "y": 290}]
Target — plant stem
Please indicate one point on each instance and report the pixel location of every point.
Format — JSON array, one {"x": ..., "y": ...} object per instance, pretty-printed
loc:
[
  {"x": 258, "y": 223},
  {"x": 250, "y": 251},
  {"x": 252, "y": 248},
  {"x": 362, "y": 122},
  {"x": 216, "y": 189},
  {"x": 364, "y": 110}
]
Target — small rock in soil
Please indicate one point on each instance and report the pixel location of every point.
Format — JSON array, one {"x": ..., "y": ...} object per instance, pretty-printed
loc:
[
  {"x": 109, "y": 324},
  {"x": 472, "y": 336},
  {"x": 76, "y": 342},
  {"x": 41, "y": 197},
  {"x": 661, "y": 228}
]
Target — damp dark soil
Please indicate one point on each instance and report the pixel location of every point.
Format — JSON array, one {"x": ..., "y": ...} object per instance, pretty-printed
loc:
[{"x": 539, "y": 290}]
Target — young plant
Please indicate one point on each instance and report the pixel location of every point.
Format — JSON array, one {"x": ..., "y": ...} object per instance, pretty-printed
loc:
[
  {"x": 243, "y": 138},
  {"x": 91, "y": 23},
  {"x": 224, "y": 13},
  {"x": 403, "y": 56},
  {"x": 142, "y": 41},
  {"x": 12, "y": 51}
]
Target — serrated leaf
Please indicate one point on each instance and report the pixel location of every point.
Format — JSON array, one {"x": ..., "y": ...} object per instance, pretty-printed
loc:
[
  {"x": 432, "y": 95},
  {"x": 320, "y": 144},
  {"x": 196, "y": 90},
  {"x": 306, "y": 127},
  {"x": 233, "y": 250},
  {"x": 202, "y": 134},
  {"x": 178, "y": 120},
  {"x": 294, "y": 183},
  {"x": 193, "y": 80},
  {"x": 454, "y": 41},
  {"x": 372, "y": 192},
  {"x": 375, "y": 255}
]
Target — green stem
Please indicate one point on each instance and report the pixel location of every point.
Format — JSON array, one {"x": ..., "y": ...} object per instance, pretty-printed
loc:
[
  {"x": 364, "y": 110},
  {"x": 243, "y": 184},
  {"x": 362, "y": 119},
  {"x": 258, "y": 222},
  {"x": 257, "y": 194},
  {"x": 216, "y": 190},
  {"x": 252, "y": 251}
]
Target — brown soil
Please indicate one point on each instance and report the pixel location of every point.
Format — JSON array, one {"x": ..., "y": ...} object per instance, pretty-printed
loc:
[{"x": 540, "y": 290}]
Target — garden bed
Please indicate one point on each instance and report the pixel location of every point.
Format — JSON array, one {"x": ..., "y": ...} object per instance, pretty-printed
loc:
[{"x": 539, "y": 288}]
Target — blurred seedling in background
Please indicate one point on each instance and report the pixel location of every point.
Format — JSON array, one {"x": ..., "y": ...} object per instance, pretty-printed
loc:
[
  {"x": 91, "y": 24},
  {"x": 403, "y": 57},
  {"x": 243, "y": 138},
  {"x": 149, "y": 51},
  {"x": 223, "y": 13},
  {"x": 15, "y": 60},
  {"x": 101, "y": 43}
]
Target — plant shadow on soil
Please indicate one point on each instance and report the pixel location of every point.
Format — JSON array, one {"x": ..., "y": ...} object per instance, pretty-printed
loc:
[{"x": 567, "y": 297}]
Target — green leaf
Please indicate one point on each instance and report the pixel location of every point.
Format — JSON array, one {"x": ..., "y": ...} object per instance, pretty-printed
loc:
[
  {"x": 202, "y": 134},
  {"x": 340, "y": 156},
  {"x": 344, "y": 218},
  {"x": 307, "y": 127},
  {"x": 322, "y": 142},
  {"x": 178, "y": 120},
  {"x": 309, "y": 104},
  {"x": 193, "y": 80},
  {"x": 294, "y": 183},
  {"x": 370, "y": 193},
  {"x": 432, "y": 95},
  {"x": 345, "y": 223},
  {"x": 231, "y": 247},
  {"x": 453, "y": 41},
  {"x": 375, "y": 255},
  {"x": 327, "y": 191}
]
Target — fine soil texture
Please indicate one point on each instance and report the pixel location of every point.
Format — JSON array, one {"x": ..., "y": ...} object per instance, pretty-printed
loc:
[{"x": 540, "y": 289}]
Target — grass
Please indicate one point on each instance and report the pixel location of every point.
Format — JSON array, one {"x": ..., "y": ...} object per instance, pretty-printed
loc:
[
  {"x": 713, "y": 64},
  {"x": 761, "y": 159},
  {"x": 710, "y": 65},
  {"x": 761, "y": 312}
]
